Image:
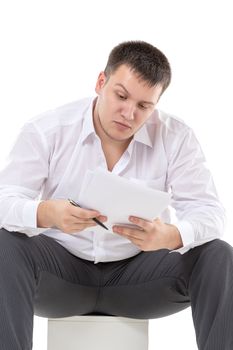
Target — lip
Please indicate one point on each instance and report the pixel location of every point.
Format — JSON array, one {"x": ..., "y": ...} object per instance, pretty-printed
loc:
[{"x": 123, "y": 125}]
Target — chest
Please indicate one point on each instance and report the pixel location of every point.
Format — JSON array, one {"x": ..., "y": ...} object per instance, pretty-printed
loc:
[
  {"x": 112, "y": 156},
  {"x": 68, "y": 168}
]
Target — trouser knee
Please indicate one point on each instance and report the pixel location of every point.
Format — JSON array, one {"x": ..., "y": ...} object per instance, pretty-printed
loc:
[
  {"x": 14, "y": 251},
  {"x": 213, "y": 266},
  {"x": 217, "y": 253}
]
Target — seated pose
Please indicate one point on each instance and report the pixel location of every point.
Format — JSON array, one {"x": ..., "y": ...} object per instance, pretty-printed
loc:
[{"x": 54, "y": 264}]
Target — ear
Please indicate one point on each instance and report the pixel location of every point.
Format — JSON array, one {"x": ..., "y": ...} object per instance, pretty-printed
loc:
[{"x": 100, "y": 82}]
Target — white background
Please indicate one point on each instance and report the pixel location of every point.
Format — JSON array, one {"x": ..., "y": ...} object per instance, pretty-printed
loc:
[{"x": 52, "y": 52}]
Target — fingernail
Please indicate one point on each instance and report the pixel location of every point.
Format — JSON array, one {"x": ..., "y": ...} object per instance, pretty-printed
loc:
[{"x": 131, "y": 218}]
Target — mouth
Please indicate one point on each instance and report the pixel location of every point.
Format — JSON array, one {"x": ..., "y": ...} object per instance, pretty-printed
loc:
[{"x": 123, "y": 125}]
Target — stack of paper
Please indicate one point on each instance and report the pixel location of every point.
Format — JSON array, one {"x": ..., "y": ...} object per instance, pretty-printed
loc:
[{"x": 118, "y": 198}]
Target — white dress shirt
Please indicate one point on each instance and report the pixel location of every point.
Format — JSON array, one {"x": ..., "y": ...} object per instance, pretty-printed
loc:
[{"x": 54, "y": 150}]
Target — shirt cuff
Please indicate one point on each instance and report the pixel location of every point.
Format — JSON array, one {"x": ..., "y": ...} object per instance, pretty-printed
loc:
[
  {"x": 29, "y": 217},
  {"x": 186, "y": 231}
]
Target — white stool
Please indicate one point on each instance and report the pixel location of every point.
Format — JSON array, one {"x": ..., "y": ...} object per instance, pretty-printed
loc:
[{"x": 97, "y": 333}]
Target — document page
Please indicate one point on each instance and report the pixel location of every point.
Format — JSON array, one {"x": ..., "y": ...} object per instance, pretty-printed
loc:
[{"x": 118, "y": 198}]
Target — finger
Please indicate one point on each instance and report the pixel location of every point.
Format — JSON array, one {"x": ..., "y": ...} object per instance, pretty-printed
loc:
[
  {"x": 128, "y": 232},
  {"x": 83, "y": 220},
  {"x": 102, "y": 218},
  {"x": 79, "y": 220},
  {"x": 84, "y": 213},
  {"x": 145, "y": 225},
  {"x": 138, "y": 241}
]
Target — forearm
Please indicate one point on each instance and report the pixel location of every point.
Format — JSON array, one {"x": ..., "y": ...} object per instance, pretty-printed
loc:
[
  {"x": 19, "y": 214},
  {"x": 201, "y": 226}
]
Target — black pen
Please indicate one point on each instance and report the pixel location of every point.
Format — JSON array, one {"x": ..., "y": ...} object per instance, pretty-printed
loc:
[{"x": 96, "y": 220}]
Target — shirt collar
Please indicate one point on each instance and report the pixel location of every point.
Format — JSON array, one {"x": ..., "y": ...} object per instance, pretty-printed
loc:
[
  {"x": 143, "y": 136},
  {"x": 88, "y": 126}
]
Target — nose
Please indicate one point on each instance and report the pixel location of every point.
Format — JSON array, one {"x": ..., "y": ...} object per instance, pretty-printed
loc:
[{"x": 128, "y": 111}]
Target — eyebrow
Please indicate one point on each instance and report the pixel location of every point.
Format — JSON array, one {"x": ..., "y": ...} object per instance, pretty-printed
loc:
[{"x": 122, "y": 86}]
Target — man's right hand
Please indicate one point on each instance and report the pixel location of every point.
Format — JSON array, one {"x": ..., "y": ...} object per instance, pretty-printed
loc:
[{"x": 61, "y": 214}]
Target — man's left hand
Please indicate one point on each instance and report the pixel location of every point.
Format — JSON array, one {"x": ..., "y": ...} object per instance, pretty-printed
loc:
[{"x": 151, "y": 235}]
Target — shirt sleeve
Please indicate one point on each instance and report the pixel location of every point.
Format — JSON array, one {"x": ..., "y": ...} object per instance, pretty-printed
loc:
[
  {"x": 200, "y": 215},
  {"x": 21, "y": 181}
]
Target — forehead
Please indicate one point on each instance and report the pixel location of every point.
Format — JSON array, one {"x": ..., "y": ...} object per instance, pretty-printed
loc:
[
  {"x": 125, "y": 78},
  {"x": 124, "y": 72}
]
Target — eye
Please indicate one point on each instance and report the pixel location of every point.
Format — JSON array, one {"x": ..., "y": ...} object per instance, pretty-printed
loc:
[
  {"x": 142, "y": 106},
  {"x": 121, "y": 96}
]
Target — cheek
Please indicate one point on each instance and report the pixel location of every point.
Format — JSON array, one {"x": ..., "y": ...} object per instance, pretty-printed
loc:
[
  {"x": 108, "y": 102},
  {"x": 107, "y": 109},
  {"x": 110, "y": 106},
  {"x": 114, "y": 107}
]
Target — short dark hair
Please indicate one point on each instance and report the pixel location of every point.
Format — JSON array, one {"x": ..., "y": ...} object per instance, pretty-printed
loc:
[{"x": 143, "y": 58}]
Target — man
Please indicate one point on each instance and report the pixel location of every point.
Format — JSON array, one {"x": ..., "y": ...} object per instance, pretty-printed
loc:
[{"x": 52, "y": 262}]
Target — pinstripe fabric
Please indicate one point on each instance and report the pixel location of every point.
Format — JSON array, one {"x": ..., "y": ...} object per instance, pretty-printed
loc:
[{"x": 37, "y": 275}]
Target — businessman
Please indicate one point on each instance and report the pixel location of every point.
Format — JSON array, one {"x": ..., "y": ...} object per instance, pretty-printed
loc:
[{"x": 54, "y": 264}]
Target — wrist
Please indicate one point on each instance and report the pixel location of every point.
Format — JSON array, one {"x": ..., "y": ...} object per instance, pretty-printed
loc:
[
  {"x": 44, "y": 211},
  {"x": 175, "y": 240}
]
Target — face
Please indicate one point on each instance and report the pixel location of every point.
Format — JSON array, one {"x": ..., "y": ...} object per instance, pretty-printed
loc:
[{"x": 124, "y": 104}]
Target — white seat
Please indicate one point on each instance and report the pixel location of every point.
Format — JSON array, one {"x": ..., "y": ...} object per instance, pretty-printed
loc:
[{"x": 97, "y": 333}]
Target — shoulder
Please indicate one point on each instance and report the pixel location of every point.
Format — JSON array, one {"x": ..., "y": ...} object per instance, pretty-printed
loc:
[
  {"x": 176, "y": 135},
  {"x": 170, "y": 123},
  {"x": 163, "y": 127},
  {"x": 66, "y": 115}
]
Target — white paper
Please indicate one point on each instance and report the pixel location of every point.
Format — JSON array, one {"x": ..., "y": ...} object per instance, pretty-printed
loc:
[{"x": 118, "y": 198}]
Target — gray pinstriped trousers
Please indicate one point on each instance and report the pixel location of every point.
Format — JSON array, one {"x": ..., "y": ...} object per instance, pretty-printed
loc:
[{"x": 38, "y": 276}]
